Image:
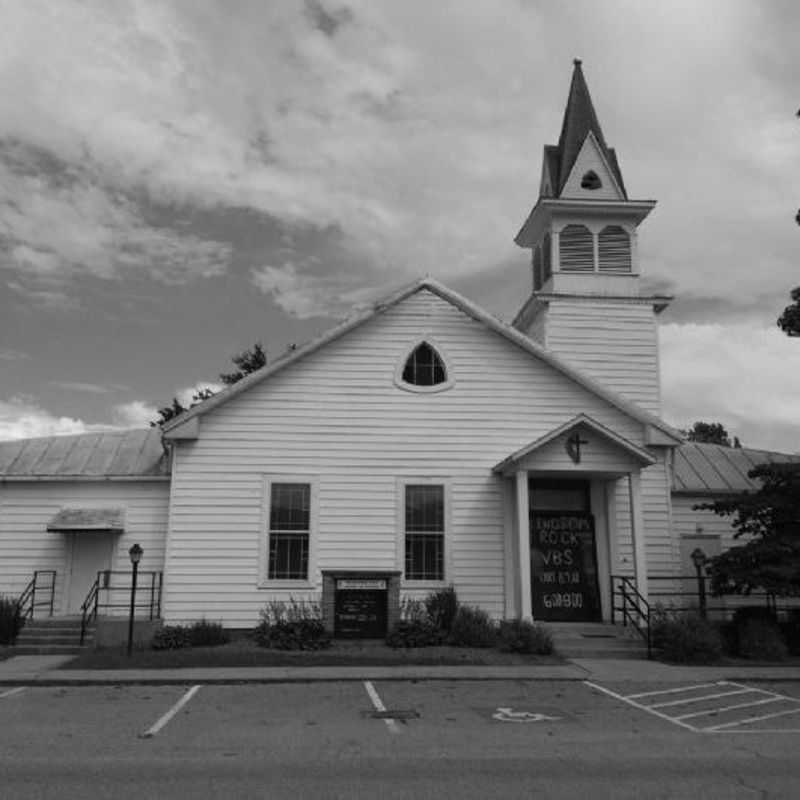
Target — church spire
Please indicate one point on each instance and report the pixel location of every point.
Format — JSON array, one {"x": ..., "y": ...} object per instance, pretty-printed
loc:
[{"x": 580, "y": 119}]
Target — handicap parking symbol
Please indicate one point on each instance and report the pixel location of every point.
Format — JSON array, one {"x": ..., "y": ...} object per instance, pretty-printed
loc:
[{"x": 509, "y": 715}]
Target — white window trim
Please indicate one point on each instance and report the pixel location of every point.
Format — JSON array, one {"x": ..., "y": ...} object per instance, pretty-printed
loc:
[
  {"x": 447, "y": 579},
  {"x": 310, "y": 581},
  {"x": 410, "y": 387}
]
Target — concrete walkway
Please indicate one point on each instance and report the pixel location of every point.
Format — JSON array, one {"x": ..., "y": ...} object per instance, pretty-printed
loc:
[{"x": 43, "y": 670}]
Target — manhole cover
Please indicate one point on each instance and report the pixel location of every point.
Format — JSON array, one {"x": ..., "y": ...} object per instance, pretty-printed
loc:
[{"x": 395, "y": 713}]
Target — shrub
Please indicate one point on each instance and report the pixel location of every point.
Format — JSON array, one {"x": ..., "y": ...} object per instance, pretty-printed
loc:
[
  {"x": 521, "y": 636},
  {"x": 296, "y": 625},
  {"x": 208, "y": 634},
  {"x": 10, "y": 623},
  {"x": 171, "y": 637},
  {"x": 303, "y": 634},
  {"x": 472, "y": 627},
  {"x": 412, "y": 610},
  {"x": 760, "y": 637},
  {"x": 442, "y": 607},
  {"x": 686, "y": 638},
  {"x": 414, "y": 633}
]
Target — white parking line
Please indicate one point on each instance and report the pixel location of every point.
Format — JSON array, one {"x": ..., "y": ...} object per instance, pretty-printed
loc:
[
  {"x": 171, "y": 713},
  {"x": 733, "y": 726},
  {"x": 379, "y": 706},
  {"x": 754, "y": 719},
  {"x": 686, "y": 700},
  {"x": 672, "y": 691},
  {"x": 13, "y": 691},
  {"x": 730, "y": 708},
  {"x": 642, "y": 707}
]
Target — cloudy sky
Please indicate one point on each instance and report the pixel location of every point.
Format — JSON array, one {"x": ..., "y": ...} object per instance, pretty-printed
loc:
[{"x": 179, "y": 180}]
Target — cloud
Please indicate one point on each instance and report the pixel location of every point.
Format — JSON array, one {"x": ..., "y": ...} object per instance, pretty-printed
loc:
[
  {"x": 741, "y": 375},
  {"x": 185, "y": 395},
  {"x": 420, "y": 142},
  {"x": 59, "y": 221},
  {"x": 23, "y": 418},
  {"x": 134, "y": 414},
  {"x": 306, "y": 296},
  {"x": 7, "y": 354}
]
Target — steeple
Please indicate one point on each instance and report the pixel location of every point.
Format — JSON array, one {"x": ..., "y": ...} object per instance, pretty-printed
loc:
[
  {"x": 587, "y": 302},
  {"x": 580, "y": 119}
]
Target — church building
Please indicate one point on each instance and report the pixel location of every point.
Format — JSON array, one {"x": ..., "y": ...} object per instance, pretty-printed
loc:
[{"x": 419, "y": 444}]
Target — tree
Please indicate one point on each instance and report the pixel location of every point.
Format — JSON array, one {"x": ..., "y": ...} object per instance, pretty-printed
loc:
[
  {"x": 789, "y": 320},
  {"x": 770, "y": 519},
  {"x": 711, "y": 433},
  {"x": 246, "y": 362}
]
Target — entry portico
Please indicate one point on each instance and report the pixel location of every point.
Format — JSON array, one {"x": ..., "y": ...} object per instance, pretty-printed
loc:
[{"x": 571, "y": 474}]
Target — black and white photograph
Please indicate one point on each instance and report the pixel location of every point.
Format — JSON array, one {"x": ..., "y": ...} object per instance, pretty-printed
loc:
[{"x": 399, "y": 399}]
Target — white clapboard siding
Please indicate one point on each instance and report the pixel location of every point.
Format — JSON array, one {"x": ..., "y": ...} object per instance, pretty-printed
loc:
[
  {"x": 614, "y": 342},
  {"x": 659, "y": 543},
  {"x": 26, "y": 544},
  {"x": 338, "y": 418}
]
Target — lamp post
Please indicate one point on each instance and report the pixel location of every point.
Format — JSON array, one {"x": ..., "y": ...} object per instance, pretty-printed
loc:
[
  {"x": 699, "y": 560},
  {"x": 135, "y": 554}
]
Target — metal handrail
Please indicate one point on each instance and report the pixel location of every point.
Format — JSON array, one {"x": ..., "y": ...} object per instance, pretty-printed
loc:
[
  {"x": 27, "y": 602},
  {"x": 89, "y": 606},
  {"x": 96, "y": 601},
  {"x": 635, "y": 609}
]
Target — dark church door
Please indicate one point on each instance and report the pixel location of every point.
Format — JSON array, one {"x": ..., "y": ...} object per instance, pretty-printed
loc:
[{"x": 564, "y": 584}]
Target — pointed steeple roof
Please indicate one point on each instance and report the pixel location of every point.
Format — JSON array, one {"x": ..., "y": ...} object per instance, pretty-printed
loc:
[{"x": 580, "y": 119}]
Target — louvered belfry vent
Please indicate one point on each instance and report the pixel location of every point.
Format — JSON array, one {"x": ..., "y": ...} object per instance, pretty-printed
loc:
[
  {"x": 614, "y": 250},
  {"x": 576, "y": 249},
  {"x": 538, "y": 279},
  {"x": 547, "y": 264}
]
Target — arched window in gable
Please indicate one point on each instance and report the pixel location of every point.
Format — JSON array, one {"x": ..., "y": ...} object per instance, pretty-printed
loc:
[
  {"x": 424, "y": 367},
  {"x": 614, "y": 249}
]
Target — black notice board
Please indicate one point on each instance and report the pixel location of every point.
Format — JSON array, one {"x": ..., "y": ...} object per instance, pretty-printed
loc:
[
  {"x": 564, "y": 567},
  {"x": 360, "y": 613}
]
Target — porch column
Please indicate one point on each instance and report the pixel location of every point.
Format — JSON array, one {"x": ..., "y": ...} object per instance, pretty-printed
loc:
[
  {"x": 524, "y": 544},
  {"x": 637, "y": 532}
]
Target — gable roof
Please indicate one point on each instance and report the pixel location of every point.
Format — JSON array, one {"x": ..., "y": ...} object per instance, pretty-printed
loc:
[
  {"x": 462, "y": 304},
  {"x": 637, "y": 453},
  {"x": 86, "y": 456},
  {"x": 580, "y": 119},
  {"x": 701, "y": 468}
]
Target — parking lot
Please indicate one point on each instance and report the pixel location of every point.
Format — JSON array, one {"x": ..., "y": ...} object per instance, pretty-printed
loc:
[{"x": 400, "y": 739}]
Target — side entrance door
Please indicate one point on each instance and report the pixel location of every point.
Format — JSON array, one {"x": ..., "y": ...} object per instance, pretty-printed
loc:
[
  {"x": 91, "y": 552},
  {"x": 564, "y": 585}
]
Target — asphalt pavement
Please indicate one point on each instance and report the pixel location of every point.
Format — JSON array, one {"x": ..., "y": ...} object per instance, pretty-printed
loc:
[{"x": 459, "y": 738}]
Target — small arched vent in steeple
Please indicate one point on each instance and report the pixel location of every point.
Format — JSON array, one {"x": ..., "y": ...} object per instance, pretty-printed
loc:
[
  {"x": 424, "y": 367},
  {"x": 591, "y": 180}
]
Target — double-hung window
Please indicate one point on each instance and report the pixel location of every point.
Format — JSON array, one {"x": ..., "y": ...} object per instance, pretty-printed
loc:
[
  {"x": 424, "y": 532},
  {"x": 289, "y": 531}
]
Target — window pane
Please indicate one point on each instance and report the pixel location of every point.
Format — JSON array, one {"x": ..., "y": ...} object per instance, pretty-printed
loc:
[
  {"x": 289, "y": 507},
  {"x": 425, "y": 508},
  {"x": 424, "y": 367},
  {"x": 424, "y": 557},
  {"x": 288, "y": 556}
]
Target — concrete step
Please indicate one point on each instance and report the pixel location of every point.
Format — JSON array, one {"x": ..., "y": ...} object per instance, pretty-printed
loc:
[
  {"x": 596, "y": 640},
  {"x": 46, "y": 650},
  {"x": 43, "y": 640}
]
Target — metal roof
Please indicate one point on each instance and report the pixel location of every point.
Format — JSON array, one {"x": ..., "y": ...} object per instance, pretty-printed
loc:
[
  {"x": 714, "y": 469},
  {"x": 113, "y": 454}
]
